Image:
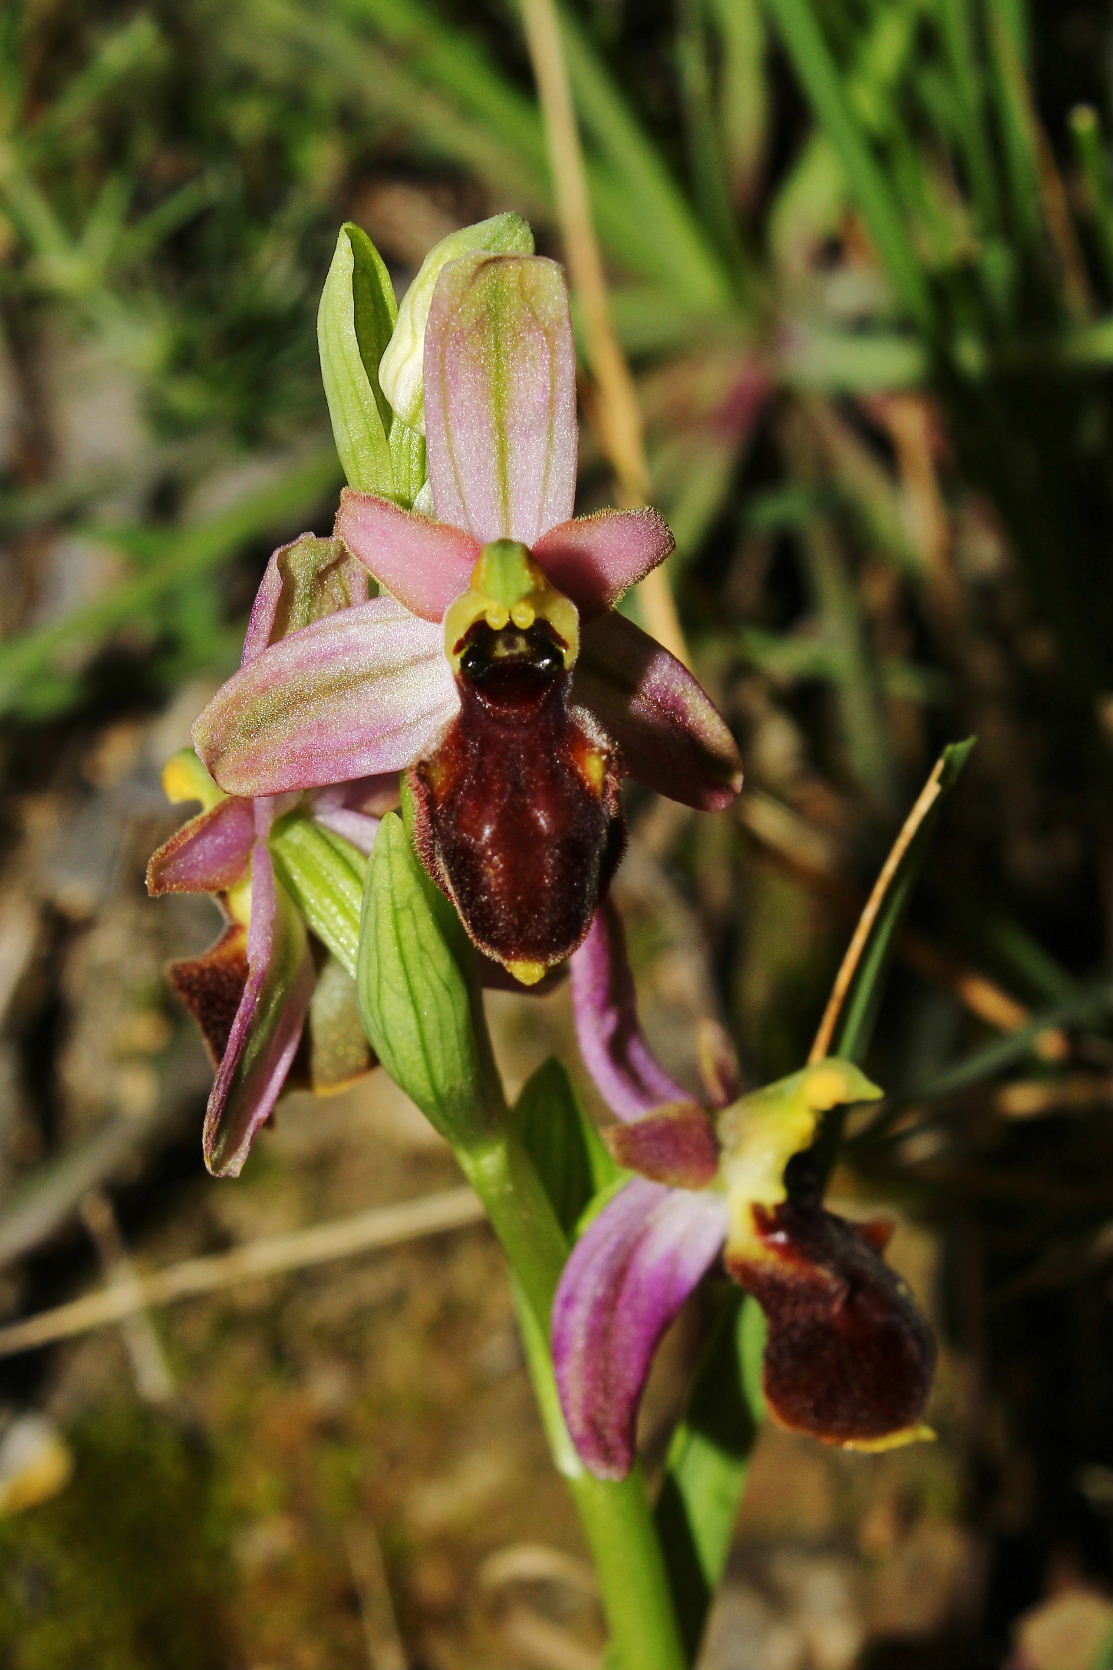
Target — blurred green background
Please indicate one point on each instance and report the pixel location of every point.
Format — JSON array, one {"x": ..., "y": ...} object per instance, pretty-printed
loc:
[{"x": 861, "y": 257}]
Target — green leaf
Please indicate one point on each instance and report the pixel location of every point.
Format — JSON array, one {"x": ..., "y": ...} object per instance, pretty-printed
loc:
[
  {"x": 744, "y": 91},
  {"x": 1084, "y": 1006},
  {"x": 1092, "y": 152},
  {"x": 708, "y": 1461},
  {"x": 566, "y": 1149},
  {"x": 354, "y": 324},
  {"x": 323, "y": 873},
  {"x": 811, "y": 202},
  {"x": 178, "y": 557},
  {"x": 417, "y": 993},
  {"x": 657, "y": 211}
]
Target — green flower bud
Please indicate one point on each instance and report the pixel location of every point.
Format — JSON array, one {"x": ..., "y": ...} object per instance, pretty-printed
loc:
[{"x": 401, "y": 367}]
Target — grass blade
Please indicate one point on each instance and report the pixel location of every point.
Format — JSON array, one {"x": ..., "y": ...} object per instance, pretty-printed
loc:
[
  {"x": 847, "y": 1024},
  {"x": 826, "y": 87}
]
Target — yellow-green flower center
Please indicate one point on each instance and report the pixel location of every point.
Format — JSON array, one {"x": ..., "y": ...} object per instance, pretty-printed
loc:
[{"x": 507, "y": 590}]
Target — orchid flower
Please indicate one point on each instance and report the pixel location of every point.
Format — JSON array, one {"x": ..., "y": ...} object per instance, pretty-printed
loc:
[
  {"x": 253, "y": 991},
  {"x": 493, "y": 666},
  {"x": 848, "y": 1358}
]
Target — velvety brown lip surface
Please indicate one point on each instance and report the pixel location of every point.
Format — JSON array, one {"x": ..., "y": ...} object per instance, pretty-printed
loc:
[
  {"x": 849, "y": 1358},
  {"x": 517, "y": 810}
]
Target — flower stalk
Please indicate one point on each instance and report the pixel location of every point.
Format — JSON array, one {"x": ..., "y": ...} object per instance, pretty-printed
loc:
[{"x": 418, "y": 987}]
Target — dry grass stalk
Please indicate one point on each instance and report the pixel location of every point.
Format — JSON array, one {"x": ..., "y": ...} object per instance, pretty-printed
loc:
[{"x": 382, "y": 1226}]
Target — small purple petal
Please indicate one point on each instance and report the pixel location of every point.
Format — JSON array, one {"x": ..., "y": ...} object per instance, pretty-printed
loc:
[
  {"x": 500, "y": 397},
  {"x": 304, "y": 581},
  {"x": 268, "y": 1024},
  {"x": 676, "y": 1145},
  {"x": 594, "y": 559},
  {"x": 424, "y": 564},
  {"x": 355, "y": 810},
  {"x": 630, "y": 1078},
  {"x": 364, "y": 691},
  {"x": 370, "y": 795},
  {"x": 671, "y": 735},
  {"x": 208, "y": 854},
  {"x": 355, "y": 827},
  {"x": 627, "y": 1278}
]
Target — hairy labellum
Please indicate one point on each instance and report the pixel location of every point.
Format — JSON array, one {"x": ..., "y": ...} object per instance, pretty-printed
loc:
[
  {"x": 849, "y": 1359},
  {"x": 517, "y": 810}
]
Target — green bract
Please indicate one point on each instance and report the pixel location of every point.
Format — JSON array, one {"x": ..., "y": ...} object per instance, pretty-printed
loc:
[{"x": 418, "y": 997}]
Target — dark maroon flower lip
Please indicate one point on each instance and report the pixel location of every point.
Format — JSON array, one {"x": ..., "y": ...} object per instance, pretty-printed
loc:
[
  {"x": 516, "y": 812},
  {"x": 849, "y": 1359}
]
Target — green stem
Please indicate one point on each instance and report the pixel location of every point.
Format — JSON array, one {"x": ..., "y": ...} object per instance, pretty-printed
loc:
[
  {"x": 616, "y": 1517},
  {"x": 420, "y": 1001}
]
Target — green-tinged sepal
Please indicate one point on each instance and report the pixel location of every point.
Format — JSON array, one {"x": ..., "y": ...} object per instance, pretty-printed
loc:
[
  {"x": 354, "y": 324},
  {"x": 306, "y": 581},
  {"x": 324, "y": 875},
  {"x": 401, "y": 369},
  {"x": 418, "y": 994}
]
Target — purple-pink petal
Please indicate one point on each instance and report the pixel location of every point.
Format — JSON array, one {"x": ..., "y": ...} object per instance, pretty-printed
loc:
[
  {"x": 371, "y": 795},
  {"x": 424, "y": 564},
  {"x": 267, "y": 1027},
  {"x": 364, "y": 691},
  {"x": 630, "y": 1078},
  {"x": 627, "y": 1278},
  {"x": 500, "y": 397},
  {"x": 595, "y": 559},
  {"x": 355, "y": 827},
  {"x": 206, "y": 855},
  {"x": 355, "y": 810},
  {"x": 675, "y": 1145},
  {"x": 671, "y": 735}
]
